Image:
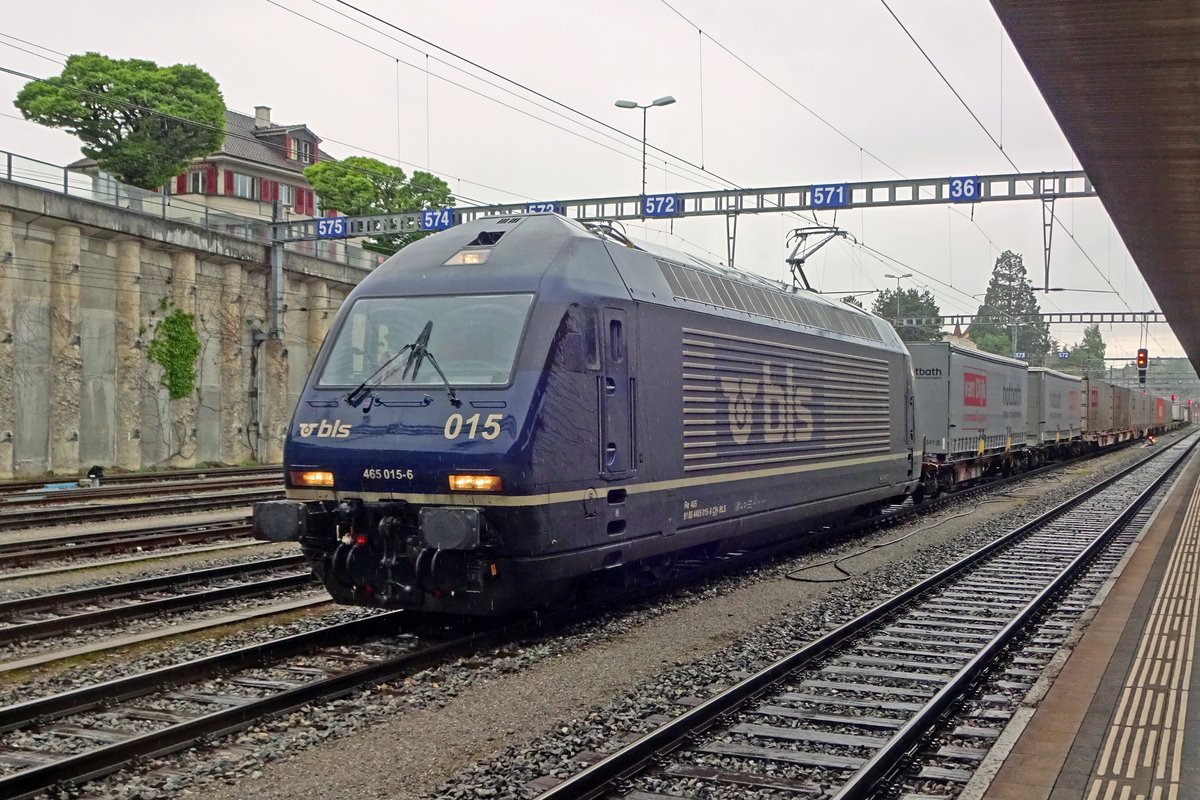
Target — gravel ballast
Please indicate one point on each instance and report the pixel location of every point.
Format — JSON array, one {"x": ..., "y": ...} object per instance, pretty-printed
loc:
[{"x": 525, "y": 711}]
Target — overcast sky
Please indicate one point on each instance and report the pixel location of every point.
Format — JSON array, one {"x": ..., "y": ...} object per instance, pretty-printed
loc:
[{"x": 853, "y": 99}]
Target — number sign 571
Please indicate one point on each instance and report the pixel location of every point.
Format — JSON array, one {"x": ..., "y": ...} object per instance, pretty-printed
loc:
[{"x": 830, "y": 195}]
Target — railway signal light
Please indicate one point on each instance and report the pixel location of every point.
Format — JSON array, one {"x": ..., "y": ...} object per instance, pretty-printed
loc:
[{"x": 1143, "y": 359}]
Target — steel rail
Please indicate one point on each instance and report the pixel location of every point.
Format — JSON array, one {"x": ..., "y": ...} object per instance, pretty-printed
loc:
[
  {"x": 24, "y": 520},
  {"x": 147, "y": 478},
  {"x": 51, "y": 498},
  {"x": 634, "y": 757},
  {"x": 888, "y": 757},
  {"x": 57, "y": 599},
  {"x": 24, "y": 552},
  {"x": 43, "y": 627},
  {"x": 94, "y": 763},
  {"x": 102, "y": 760}
]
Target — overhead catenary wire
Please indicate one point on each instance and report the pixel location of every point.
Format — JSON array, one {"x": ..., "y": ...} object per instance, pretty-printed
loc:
[
  {"x": 423, "y": 69},
  {"x": 862, "y": 149},
  {"x": 1003, "y": 152},
  {"x": 700, "y": 34}
]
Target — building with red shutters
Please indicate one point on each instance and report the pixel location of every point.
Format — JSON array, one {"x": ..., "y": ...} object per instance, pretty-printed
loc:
[{"x": 260, "y": 161}]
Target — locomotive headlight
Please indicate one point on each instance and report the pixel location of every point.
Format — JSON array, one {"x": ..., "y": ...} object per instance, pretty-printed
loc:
[
  {"x": 311, "y": 477},
  {"x": 475, "y": 483},
  {"x": 468, "y": 256}
]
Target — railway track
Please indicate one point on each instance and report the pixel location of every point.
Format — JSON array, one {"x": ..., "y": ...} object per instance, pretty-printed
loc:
[
  {"x": 146, "y": 479},
  {"x": 834, "y": 718},
  {"x": 23, "y": 519},
  {"x": 98, "y": 729},
  {"x": 88, "y": 543},
  {"x": 103, "y": 494},
  {"x": 29, "y": 618}
]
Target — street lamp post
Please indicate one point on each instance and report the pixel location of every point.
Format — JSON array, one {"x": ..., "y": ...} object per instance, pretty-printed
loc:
[
  {"x": 662, "y": 101},
  {"x": 898, "y": 278}
]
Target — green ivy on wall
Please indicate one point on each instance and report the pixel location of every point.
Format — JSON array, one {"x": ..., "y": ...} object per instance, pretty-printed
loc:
[{"x": 175, "y": 347}]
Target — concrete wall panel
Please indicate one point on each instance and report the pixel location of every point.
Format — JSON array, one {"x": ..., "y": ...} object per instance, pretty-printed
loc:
[{"x": 98, "y": 389}]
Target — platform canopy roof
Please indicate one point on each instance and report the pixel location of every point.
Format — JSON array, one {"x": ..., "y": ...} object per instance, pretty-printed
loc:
[{"x": 1122, "y": 78}]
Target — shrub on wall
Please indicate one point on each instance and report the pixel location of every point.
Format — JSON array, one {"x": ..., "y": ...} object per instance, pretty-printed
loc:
[{"x": 175, "y": 347}]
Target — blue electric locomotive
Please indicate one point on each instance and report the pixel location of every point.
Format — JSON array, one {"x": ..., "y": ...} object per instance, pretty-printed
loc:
[{"x": 518, "y": 402}]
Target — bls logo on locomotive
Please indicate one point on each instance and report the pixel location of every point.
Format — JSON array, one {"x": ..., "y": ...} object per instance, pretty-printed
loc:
[
  {"x": 325, "y": 429},
  {"x": 785, "y": 416}
]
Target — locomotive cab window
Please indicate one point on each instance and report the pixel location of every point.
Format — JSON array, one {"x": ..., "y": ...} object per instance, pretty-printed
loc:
[{"x": 473, "y": 338}]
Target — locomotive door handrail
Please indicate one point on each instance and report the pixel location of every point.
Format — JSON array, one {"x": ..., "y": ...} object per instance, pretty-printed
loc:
[{"x": 616, "y": 385}]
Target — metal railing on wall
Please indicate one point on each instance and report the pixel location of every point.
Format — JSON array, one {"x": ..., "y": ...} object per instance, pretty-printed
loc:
[{"x": 107, "y": 191}]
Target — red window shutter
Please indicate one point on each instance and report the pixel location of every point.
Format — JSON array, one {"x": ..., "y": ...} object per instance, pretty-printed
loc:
[
  {"x": 210, "y": 182},
  {"x": 308, "y": 202},
  {"x": 270, "y": 190},
  {"x": 316, "y": 154},
  {"x": 287, "y": 146},
  {"x": 180, "y": 184},
  {"x": 228, "y": 181},
  {"x": 332, "y": 212},
  {"x": 298, "y": 200}
]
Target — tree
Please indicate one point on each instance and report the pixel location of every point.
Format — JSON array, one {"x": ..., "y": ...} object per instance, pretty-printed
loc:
[
  {"x": 1087, "y": 357},
  {"x": 1010, "y": 298},
  {"x": 893, "y": 304},
  {"x": 358, "y": 185},
  {"x": 141, "y": 122}
]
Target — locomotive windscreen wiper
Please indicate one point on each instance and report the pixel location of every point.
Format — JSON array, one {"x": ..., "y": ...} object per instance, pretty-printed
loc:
[
  {"x": 417, "y": 356},
  {"x": 364, "y": 388},
  {"x": 417, "y": 351}
]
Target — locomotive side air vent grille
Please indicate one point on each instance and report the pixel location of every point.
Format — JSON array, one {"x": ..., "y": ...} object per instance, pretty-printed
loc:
[
  {"x": 508, "y": 220},
  {"x": 714, "y": 290},
  {"x": 486, "y": 239}
]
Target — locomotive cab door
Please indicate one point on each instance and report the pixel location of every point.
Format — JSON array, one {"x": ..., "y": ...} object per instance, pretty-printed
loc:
[
  {"x": 910, "y": 416},
  {"x": 617, "y": 394}
]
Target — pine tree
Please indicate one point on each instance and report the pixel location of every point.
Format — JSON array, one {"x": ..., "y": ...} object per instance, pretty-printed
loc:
[
  {"x": 1009, "y": 298},
  {"x": 1087, "y": 357},
  {"x": 893, "y": 305}
]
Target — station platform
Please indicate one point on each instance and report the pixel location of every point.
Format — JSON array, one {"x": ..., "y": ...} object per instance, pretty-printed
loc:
[{"x": 1117, "y": 717}]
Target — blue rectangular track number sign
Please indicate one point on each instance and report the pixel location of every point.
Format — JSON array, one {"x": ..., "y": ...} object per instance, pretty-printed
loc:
[
  {"x": 661, "y": 205},
  {"x": 829, "y": 195},
  {"x": 436, "y": 219},
  {"x": 331, "y": 228},
  {"x": 544, "y": 207},
  {"x": 964, "y": 189}
]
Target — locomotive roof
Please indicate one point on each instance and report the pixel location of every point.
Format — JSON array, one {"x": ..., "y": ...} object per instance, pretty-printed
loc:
[{"x": 542, "y": 239}]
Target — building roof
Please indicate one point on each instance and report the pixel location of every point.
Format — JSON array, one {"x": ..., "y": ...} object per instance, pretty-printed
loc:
[{"x": 245, "y": 141}]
